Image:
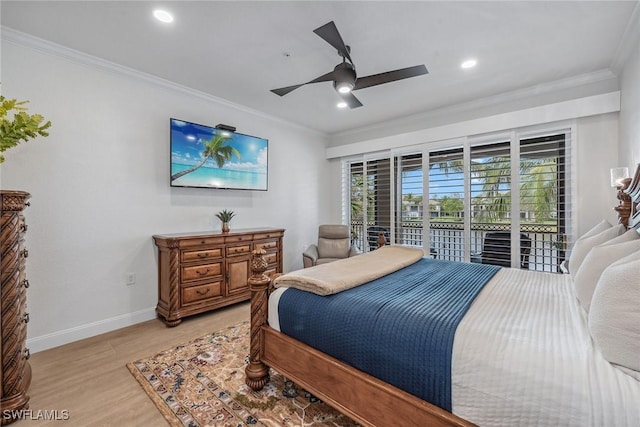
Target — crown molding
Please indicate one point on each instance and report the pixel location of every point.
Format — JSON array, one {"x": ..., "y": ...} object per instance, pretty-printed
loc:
[
  {"x": 480, "y": 103},
  {"x": 45, "y": 46},
  {"x": 630, "y": 40},
  {"x": 542, "y": 114}
]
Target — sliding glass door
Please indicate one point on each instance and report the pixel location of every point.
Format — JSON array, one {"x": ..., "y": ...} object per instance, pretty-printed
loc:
[{"x": 500, "y": 201}]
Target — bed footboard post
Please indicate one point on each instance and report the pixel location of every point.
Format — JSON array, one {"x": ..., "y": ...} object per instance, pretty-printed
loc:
[{"x": 257, "y": 373}]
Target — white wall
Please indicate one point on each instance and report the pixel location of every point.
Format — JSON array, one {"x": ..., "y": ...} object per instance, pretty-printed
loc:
[
  {"x": 100, "y": 187},
  {"x": 630, "y": 111},
  {"x": 596, "y": 153}
]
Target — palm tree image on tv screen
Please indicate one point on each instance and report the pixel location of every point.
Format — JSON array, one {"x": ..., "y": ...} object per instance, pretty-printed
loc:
[{"x": 207, "y": 157}]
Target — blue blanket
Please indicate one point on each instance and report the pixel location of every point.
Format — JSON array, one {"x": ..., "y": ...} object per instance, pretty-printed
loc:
[{"x": 398, "y": 328}]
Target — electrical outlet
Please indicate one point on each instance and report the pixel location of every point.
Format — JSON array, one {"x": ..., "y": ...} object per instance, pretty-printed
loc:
[{"x": 131, "y": 279}]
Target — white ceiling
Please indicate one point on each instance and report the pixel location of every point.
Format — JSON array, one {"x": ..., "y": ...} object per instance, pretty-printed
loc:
[{"x": 240, "y": 50}]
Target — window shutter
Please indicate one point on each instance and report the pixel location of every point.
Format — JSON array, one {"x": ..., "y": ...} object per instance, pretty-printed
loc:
[
  {"x": 409, "y": 207},
  {"x": 357, "y": 203},
  {"x": 446, "y": 204},
  {"x": 490, "y": 196},
  {"x": 379, "y": 199},
  {"x": 543, "y": 198}
]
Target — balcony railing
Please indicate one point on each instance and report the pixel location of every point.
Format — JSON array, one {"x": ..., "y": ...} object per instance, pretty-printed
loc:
[{"x": 447, "y": 240}]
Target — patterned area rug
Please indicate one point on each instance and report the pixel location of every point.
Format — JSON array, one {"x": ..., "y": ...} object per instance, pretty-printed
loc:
[{"x": 202, "y": 384}]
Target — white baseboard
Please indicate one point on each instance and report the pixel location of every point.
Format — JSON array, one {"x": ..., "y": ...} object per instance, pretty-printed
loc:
[{"x": 67, "y": 336}]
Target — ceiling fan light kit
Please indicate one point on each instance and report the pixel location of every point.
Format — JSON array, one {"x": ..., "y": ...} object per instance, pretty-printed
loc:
[{"x": 344, "y": 76}]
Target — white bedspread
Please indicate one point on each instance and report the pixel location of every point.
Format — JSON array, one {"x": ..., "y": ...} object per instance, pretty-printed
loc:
[{"x": 523, "y": 356}]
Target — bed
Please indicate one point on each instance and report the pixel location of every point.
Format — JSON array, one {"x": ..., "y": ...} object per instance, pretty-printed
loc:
[{"x": 529, "y": 348}]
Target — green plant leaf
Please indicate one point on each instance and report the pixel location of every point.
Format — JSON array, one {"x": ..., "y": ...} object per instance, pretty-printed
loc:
[{"x": 17, "y": 126}]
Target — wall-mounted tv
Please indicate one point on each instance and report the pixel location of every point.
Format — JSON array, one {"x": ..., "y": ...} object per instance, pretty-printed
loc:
[{"x": 207, "y": 157}]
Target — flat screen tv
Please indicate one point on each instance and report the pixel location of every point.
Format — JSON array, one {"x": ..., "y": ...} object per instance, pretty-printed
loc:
[{"x": 207, "y": 157}]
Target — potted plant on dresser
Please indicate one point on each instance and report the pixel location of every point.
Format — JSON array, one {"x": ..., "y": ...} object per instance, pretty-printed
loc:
[
  {"x": 16, "y": 126},
  {"x": 225, "y": 217}
]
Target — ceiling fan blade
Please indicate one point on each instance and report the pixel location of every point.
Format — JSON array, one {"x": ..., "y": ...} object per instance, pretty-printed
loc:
[
  {"x": 351, "y": 100},
  {"x": 285, "y": 90},
  {"x": 329, "y": 33},
  {"x": 390, "y": 76}
]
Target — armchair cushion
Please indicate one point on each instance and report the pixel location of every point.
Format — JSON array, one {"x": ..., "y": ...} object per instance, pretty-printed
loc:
[
  {"x": 333, "y": 248},
  {"x": 334, "y": 242}
]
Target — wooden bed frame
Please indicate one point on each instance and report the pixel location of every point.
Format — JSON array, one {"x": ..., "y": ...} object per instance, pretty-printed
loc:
[{"x": 365, "y": 399}]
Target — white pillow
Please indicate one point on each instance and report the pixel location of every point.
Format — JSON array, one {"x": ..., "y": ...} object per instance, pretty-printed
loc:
[
  {"x": 629, "y": 236},
  {"x": 599, "y": 227},
  {"x": 598, "y": 259},
  {"x": 583, "y": 245},
  {"x": 615, "y": 313}
]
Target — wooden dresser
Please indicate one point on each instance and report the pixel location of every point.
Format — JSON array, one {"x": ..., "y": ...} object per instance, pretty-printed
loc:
[
  {"x": 198, "y": 272},
  {"x": 15, "y": 372}
]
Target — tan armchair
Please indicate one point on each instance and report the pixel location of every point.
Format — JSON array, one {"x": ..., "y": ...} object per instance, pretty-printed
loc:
[{"x": 334, "y": 243}]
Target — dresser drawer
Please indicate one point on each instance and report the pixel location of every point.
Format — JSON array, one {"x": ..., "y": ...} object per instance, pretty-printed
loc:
[
  {"x": 238, "y": 250},
  {"x": 201, "y": 241},
  {"x": 202, "y": 254},
  {"x": 198, "y": 293},
  {"x": 261, "y": 236},
  {"x": 203, "y": 271},
  {"x": 242, "y": 238},
  {"x": 272, "y": 258},
  {"x": 267, "y": 246}
]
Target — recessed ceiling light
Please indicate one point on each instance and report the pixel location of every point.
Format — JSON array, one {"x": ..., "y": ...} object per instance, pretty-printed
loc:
[
  {"x": 163, "y": 16},
  {"x": 341, "y": 104},
  {"x": 469, "y": 63}
]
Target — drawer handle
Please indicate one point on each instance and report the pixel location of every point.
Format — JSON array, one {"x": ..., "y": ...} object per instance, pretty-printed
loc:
[
  {"x": 202, "y": 273},
  {"x": 26, "y": 318},
  {"x": 27, "y": 354},
  {"x": 28, "y": 204},
  {"x": 25, "y": 283},
  {"x": 203, "y": 255},
  {"x": 24, "y": 253},
  {"x": 199, "y": 292},
  {"x": 203, "y": 242},
  {"x": 23, "y": 227}
]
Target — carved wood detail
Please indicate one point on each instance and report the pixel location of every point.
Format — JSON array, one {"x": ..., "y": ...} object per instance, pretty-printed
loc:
[
  {"x": 257, "y": 373},
  {"x": 15, "y": 373}
]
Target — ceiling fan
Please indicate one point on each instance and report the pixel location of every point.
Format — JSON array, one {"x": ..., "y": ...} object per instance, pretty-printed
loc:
[{"x": 344, "y": 77}]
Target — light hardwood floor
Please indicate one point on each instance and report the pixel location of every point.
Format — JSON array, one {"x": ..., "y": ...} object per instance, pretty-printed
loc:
[{"x": 89, "y": 378}]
